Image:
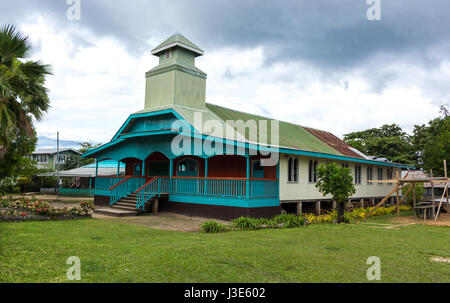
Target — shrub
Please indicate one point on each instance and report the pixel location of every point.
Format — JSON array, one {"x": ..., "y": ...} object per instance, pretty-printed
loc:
[
  {"x": 212, "y": 227},
  {"x": 245, "y": 223},
  {"x": 289, "y": 220},
  {"x": 44, "y": 208},
  {"x": 347, "y": 218}
]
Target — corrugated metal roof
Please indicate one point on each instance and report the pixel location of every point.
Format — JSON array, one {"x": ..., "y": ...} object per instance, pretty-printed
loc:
[
  {"x": 334, "y": 142},
  {"x": 85, "y": 172},
  {"x": 52, "y": 151},
  {"x": 418, "y": 174},
  {"x": 290, "y": 135}
]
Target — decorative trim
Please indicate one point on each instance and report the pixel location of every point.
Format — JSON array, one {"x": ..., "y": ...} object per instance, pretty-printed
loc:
[
  {"x": 176, "y": 43},
  {"x": 177, "y": 67}
]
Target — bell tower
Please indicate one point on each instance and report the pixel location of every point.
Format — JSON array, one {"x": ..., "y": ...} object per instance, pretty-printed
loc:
[{"x": 176, "y": 80}]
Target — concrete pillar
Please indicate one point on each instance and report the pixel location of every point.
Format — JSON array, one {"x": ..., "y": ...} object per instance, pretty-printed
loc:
[
  {"x": 373, "y": 201},
  {"x": 299, "y": 208},
  {"x": 334, "y": 205},
  {"x": 318, "y": 208},
  {"x": 155, "y": 206},
  {"x": 362, "y": 203}
]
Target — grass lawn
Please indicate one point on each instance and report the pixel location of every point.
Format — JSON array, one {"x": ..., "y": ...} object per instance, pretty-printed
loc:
[{"x": 112, "y": 251}]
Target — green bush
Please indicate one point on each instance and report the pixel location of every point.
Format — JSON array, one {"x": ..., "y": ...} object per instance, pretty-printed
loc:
[
  {"x": 266, "y": 222},
  {"x": 289, "y": 220},
  {"x": 212, "y": 227},
  {"x": 246, "y": 223},
  {"x": 347, "y": 217}
]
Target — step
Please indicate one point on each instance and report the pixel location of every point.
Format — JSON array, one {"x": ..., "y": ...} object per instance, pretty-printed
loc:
[
  {"x": 113, "y": 212},
  {"x": 120, "y": 203},
  {"x": 124, "y": 207},
  {"x": 128, "y": 200}
]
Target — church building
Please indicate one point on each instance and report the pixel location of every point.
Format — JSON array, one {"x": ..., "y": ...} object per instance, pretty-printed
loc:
[{"x": 186, "y": 155}]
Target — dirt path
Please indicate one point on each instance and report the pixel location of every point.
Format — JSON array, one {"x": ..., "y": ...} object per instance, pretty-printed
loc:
[
  {"x": 443, "y": 220},
  {"x": 163, "y": 220}
]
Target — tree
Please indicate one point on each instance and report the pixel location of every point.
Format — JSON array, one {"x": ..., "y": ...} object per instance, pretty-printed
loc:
[
  {"x": 14, "y": 166},
  {"x": 337, "y": 181},
  {"x": 432, "y": 143},
  {"x": 23, "y": 96},
  {"x": 71, "y": 162},
  {"x": 419, "y": 190},
  {"x": 85, "y": 146},
  {"x": 14, "y": 163},
  {"x": 387, "y": 141}
]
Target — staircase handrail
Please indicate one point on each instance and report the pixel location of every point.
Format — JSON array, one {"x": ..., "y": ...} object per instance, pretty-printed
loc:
[
  {"x": 122, "y": 181},
  {"x": 124, "y": 188},
  {"x": 147, "y": 192}
]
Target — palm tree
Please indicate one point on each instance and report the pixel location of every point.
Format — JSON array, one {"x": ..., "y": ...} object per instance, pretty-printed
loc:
[{"x": 23, "y": 96}]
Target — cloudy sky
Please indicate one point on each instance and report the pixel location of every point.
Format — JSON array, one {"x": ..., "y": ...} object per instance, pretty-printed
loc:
[{"x": 318, "y": 63}]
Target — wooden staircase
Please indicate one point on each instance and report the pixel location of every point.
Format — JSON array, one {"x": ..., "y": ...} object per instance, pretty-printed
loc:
[
  {"x": 127, "y": 203},
  {"x": 125, "y": 207}
]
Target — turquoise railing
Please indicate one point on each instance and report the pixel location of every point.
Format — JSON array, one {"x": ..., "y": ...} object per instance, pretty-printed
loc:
[
  {"x": 223, "y": 187},
  {"x": 215, "y": 187},
  {"x": 76, "y": 192},
  {"x": 263, "y": 188},
  {"x": 209, "y": 186},
  {"x": 212, "y": 187},
  {"x": 147, "y": 191},
  {"x": 106, "y": 182},
  {"x": 124, "y": 188}
]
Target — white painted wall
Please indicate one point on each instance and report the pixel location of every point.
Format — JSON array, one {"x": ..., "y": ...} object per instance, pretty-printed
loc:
[{"x": 303, "y": 190}]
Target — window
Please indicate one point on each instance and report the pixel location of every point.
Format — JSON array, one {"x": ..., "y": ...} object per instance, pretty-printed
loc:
[
  {"x": 292, "y": 170},
  {"x": 369, "y": 174},
  {"x": 61, "y": 159},
  {"x": 312, "y": 171},
  {"x": 187, "y": 168},
  {"x": 389, "y": 174},
  {"x": 345, "y": 165},
  {"x": 358, "y": 174},
  {"x": 41, "y": 158},
  {"x": 380, "y": 174},
  {"x": 168, "y": 54}
]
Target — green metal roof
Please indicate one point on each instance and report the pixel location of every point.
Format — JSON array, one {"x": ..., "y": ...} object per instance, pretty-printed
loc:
[
  {"x": 290, "y": 135},
  {"x": 177, "y": 40},
  {"x": 293, "y": 138}
]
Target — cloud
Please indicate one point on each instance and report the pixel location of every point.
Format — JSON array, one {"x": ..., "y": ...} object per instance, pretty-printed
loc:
[{"x": 317, "y": 63}]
